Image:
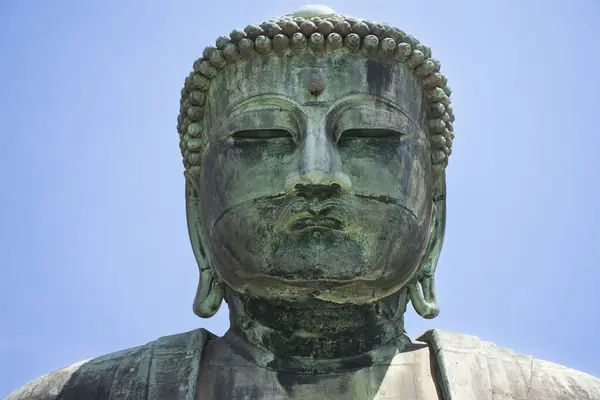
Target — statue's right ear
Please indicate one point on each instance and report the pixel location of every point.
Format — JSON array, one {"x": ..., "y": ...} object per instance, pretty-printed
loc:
[{"x": 210, "y": 292}]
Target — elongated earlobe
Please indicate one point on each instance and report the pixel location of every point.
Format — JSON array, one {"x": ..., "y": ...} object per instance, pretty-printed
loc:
[
  {"x": 424, "y": 302},
  {"x": 421, "y": 291},
  {"x": 210, "y": 292}
]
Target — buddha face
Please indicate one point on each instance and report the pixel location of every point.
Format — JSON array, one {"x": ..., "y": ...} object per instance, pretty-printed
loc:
[{"x": 316, "y": 178}]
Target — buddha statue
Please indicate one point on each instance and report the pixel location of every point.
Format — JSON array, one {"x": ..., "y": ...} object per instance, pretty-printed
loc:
[{"x": 315, "y": 148}]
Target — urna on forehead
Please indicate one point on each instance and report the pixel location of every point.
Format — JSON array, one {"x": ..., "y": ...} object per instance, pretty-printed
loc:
[{"x": 318, "y": 32}]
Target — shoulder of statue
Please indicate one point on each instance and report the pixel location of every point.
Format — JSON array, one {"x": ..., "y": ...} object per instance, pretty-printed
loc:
[
  {"x": 132, "y": 373},
  {"x": 470, "y": 368}
]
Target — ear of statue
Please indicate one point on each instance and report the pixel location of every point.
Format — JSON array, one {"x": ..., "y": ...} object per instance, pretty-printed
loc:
[
  {"x": 422, "y": 291},
  {"x": 210, "y": 292}
]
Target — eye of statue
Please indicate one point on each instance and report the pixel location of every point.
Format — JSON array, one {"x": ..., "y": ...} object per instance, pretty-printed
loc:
[
  {"x": 353, "y": 134},
  {"x": 258, "y": 134}
]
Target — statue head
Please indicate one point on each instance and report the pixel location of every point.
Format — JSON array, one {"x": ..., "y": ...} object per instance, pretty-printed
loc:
[{"x": 315, "y": 148}]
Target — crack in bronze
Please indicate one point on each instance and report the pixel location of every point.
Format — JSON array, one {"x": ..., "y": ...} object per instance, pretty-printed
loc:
[
  {"x": 388, "y": 200},
  {"x": 254, "y": 200}
]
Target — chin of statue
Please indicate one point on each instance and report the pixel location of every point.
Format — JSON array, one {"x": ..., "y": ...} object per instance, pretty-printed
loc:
[{"x": 266, "y": 251}]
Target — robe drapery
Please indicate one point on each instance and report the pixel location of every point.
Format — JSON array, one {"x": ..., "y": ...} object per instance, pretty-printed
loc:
[{"x": 466, "y": 368}]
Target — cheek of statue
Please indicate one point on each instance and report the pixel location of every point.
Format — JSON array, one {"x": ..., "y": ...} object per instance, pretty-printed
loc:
[{"x": 345, "y": 246}]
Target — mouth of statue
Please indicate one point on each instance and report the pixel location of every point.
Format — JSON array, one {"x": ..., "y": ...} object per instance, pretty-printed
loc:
[
  {"x": 316, "y": 222},
  {"x": 302, "y": 215}
]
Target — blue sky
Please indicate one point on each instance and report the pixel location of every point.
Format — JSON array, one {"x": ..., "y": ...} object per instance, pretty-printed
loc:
[{"x": 94, "y": 252}]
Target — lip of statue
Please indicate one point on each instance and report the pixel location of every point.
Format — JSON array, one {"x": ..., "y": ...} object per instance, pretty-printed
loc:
[
  {"x": 301, "y": 214},
  {"x": 308, "y": 222}
]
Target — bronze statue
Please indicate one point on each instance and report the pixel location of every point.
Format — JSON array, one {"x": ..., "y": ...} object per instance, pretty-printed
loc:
[{"x": 315, "y": 148}]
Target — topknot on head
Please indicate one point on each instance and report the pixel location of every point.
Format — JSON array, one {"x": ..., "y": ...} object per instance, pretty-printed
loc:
[{"x": 314, "y": 10}]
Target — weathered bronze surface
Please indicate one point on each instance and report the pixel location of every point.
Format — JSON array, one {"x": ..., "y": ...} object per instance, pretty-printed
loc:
[{"x": 315, "y": 148}]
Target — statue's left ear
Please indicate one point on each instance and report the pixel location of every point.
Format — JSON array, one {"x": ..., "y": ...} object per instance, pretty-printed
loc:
[
  {"x": 424, "y": 299},
  {"x": 210, "y": 292}
]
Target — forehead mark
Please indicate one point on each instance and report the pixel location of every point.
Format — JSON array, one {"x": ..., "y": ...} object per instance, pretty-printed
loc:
[
  {"x": 313, "y": 78},
  {"x": 316, "y": 82}
]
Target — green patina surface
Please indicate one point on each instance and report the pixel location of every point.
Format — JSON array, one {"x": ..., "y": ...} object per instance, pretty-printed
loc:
[{"x": 315, "y": 148}]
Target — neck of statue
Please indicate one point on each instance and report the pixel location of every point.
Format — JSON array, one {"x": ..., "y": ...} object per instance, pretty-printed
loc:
[{"x": 316, "y": 334}]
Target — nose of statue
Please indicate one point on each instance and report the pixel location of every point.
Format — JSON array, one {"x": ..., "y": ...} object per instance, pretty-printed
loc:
[
  {"x": 318, "y": 184},
  {"x": 318, "y": 168}
]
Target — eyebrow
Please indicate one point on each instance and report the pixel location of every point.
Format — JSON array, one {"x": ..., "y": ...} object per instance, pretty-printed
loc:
[
  {"x": 362, "y": 100},
  {"x": 263, "y": 101},
  {"x": 272, "y": 100},
  {"x": 259, "y": 102}
]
